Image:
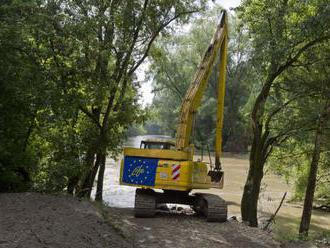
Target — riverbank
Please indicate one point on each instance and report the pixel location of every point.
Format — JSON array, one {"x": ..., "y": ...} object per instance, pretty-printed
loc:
[{"x": 57, "y": 221}]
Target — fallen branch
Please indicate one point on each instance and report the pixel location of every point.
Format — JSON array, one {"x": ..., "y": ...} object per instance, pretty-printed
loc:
[
  {"x": 322, "y": 208},
  {"x": 271, "y": 219}
]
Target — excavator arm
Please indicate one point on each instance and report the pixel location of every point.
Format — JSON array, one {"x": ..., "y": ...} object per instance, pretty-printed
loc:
[{"x": 193, "y": 97}]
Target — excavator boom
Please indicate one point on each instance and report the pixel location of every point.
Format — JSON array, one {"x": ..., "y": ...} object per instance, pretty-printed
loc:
[{"x": 196, "y": 90}]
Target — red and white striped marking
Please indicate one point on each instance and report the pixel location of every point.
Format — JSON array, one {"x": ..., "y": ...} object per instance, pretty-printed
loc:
[{"x": 175, "y": 171}]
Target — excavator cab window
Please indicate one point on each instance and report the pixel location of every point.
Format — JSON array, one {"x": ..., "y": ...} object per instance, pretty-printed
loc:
[{"x": 157, "y": 145}]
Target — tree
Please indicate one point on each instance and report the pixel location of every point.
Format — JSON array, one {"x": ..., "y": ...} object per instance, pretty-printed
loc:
[
  {"x": 81, "y": 57},
  {"x": 20, "y": 99},
  {"x": 311, "y": 185},
  {"x": 279, "y": 39},
  {"x": 124, "y": 34},
  {"x": 302, "y": 157}
]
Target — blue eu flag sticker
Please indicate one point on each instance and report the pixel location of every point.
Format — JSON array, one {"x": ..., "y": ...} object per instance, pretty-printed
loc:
[{"x": 140, "y": 171}]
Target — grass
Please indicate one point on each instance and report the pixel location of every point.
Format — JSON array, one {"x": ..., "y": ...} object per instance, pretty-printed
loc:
[{"x": 286, "y": 229}]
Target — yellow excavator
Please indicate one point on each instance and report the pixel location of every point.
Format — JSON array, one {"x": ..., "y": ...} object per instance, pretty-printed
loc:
[{"x": 169, "y": 165}]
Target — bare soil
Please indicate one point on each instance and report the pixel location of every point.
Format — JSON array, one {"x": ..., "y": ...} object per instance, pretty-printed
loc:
[
  {"x": 38, "y": 220},
  {"x": 34, "y": 220},
  {"x": 179, "y": 229}
]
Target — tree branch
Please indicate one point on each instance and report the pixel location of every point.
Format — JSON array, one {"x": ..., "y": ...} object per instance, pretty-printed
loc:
[
  {"x": 176, "y": 89},
  {"x": 276, "y": 111},
  {"x": 270, "y": 79},
  {"x": 124, "y": 66},
  {"x": 154, "y": 36},
  {"x": 90, "y": 115},
  {"x": 293, "y": 59}
]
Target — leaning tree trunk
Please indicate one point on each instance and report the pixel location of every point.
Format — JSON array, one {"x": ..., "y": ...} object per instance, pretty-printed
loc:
[
  {"x": 85, "y": 177},
  {"x": 249, "y": 203},
  {"x": 93, "y": 174},
  {"x": 99, "y": 189},
  {"x": 311, "y": 184}
]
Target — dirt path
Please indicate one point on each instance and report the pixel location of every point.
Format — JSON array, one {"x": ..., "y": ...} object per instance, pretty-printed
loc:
[
  {"x": 36, "y": 220},
  {"x": 181, "y": 230}
]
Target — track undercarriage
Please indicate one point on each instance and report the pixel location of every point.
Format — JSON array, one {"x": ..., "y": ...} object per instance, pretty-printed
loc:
[{"x": 213, "y": 207}]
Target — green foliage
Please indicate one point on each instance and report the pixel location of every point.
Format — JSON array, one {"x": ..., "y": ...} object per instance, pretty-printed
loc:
[
  {"x": 307, "y": 90},
  {"x": 68, "y": 83},
  {"x": 136, "y": 130},
  {"x": 19, "y": 100},
  {"x": 285, "y": 40}
]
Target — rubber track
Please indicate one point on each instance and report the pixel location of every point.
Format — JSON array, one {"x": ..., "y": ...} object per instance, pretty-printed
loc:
[
  {"x": 145, "y": 204},
  {"x": 216, "y": 210}
]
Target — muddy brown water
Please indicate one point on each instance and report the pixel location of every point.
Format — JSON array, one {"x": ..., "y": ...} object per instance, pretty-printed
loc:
[{"x": 235, "y": 167}]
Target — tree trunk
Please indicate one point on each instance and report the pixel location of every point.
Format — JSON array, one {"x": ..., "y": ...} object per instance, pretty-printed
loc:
[
  {"x": 93, "y": 175},
  {"x": 245, "y": 202},
  {"x": 311, "y": 184},
  {"x": 29, "y": 132},
  {"x": 249, "y": 203},
  {"x": 85, "y": 177},
  {"x": 99, "y": 189},
  {"x": 72, "y": 184}
]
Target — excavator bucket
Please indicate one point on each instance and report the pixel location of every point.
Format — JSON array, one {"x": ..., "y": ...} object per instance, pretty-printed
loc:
[{"x": 217, "y": 177}]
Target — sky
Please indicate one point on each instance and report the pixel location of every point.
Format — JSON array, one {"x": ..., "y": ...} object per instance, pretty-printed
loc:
[{"x": 146, "y": 88}]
